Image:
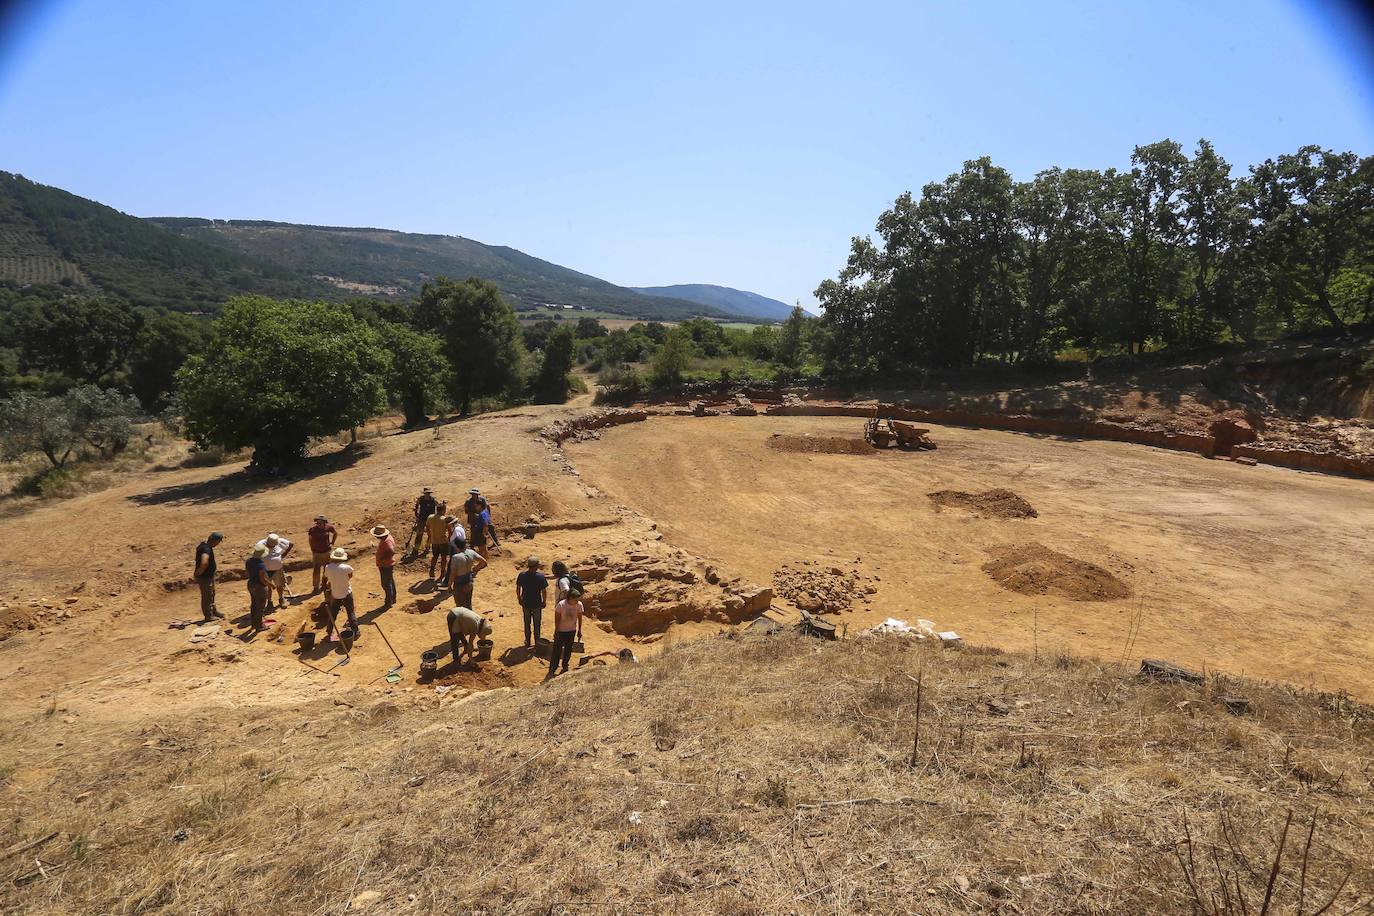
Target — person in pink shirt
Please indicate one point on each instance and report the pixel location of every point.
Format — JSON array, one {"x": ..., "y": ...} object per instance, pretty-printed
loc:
[
  {"x": 567, "y": 624},
  {"x": 386, "y": 562}
]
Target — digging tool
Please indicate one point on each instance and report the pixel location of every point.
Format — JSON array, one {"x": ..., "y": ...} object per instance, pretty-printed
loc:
[
  {"x": 339, "y": 664},
  {"x": 321, "y": 670},
  {"x": 399, "y": 664}
]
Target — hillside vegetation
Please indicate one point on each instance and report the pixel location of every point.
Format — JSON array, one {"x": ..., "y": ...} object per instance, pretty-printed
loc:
[{"x": 734, "y": 301}]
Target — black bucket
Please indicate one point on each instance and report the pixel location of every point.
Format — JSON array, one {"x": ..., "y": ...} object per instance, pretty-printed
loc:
[
  {"x": 306, "y": 640},
  {"x": 346, "y": 637},
  {"x": 484, "y": 647},
  {"x": 429, "y": 663}
]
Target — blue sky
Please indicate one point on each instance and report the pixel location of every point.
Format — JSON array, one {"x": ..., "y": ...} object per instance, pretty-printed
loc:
[{"x": 647, "y": 143}]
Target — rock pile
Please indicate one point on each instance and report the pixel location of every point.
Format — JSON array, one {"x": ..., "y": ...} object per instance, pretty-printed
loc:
[
  {"x": 641, "y": 594},
  {"x": 823, "y": 587}
]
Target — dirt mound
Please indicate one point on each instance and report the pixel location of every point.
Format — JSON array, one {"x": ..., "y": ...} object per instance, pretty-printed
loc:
[
  {"x": 515, "y": 507},
  {"x": 1033, "y": 569},
  {"x": 998, "y": 503},
  {"x": 824, "y": 445},
  {"x": 823, "y": 587}
]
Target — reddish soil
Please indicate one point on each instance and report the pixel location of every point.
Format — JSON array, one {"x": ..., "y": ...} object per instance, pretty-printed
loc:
[
  {"x": 997, "y": 503},
  {"x": 820, "y": 445},
  {"x": 1032, "y": 569}
]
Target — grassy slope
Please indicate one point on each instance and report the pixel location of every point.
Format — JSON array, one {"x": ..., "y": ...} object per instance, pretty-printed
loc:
[
  {"x": 734, "y": 301},
  {"x": 1040, "y": 785}
]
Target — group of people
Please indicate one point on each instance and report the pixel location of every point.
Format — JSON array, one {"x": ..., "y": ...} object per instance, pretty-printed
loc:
[{"x": 456, "y": 563}]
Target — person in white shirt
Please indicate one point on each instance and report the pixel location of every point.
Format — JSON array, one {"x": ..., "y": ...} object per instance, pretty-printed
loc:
[
  {"x": 278, "y": 549},
  {"x": 340, "y": 576}
]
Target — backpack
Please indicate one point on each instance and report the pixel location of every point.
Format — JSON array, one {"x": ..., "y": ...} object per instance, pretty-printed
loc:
[{"x": 575, "y": 586}]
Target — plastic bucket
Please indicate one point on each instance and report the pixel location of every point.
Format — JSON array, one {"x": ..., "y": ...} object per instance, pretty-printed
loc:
[
  {"x": 346, "y": 636},
  {"x": 429, "y": 663},
  {"x": 484, "y": 647},
  {"x": 306, "y": 640}
]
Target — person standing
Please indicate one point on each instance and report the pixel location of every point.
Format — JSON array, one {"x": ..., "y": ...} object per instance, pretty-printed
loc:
[
  {"x": 321, "y": 536},
  {"x": 205, "y": 576},
  {"x": 436, "y": 529},
  {"x": 482, "y": 528},
  {"x": 386, "y": 562},
  {"x": 567, "y": 628},
  {"x": 463, "y": 567},
  {"x": 278, "y": 549},
  {"x": 259, "y": 586},
  {"x": 561, "y": 583},
  {"x": 474, "y": 504},
  {"x": 424, "y": 508},
  {"x": 340, "y": 576},
  {"x": 464, "y": 627},
  {"x": 531, "y": 590}
]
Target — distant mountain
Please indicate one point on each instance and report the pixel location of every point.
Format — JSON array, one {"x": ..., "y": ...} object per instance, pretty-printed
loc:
[
  {"x": 51, "y": 237},
  {"x": 736, "y": 302},
  {"x": 48, "y": 236},
  {"x": 384, "y": 262}
]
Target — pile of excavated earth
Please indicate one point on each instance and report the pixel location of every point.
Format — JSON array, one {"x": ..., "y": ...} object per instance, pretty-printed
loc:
[
  {"x": 824, "y": 586},
  {"x": 996, "y": 503}
]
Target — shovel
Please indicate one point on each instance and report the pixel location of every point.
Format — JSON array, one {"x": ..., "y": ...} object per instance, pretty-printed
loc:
[
  {"x": 399, "y": 664},
  {"x": 321, "y": 670}
]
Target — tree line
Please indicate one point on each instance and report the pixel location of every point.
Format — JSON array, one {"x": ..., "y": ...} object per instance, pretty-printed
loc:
[
  {"x": 1176, "y": 251},
  {"x": 265, "y": 374}
]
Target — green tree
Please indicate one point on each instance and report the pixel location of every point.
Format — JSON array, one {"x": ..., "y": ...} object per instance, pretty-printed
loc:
[
  {"x": 480, "y": 334},
  {"x": 551, "y": 382},
  {"x": 418, "y": 379},
  {"x": 792, "y": 340},
  {"x": 672, "y": 358},
  {"x": 536, "y": 334},
  {"x": 58, "y": 426},
  {"x": 84, "y": 339},
  {"x": 279, "y": 373},
  {"x": 590, "y": 327},
  {"x": 163, "y": 344}
]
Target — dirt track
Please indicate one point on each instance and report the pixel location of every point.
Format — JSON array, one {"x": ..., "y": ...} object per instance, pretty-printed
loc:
[{"x": 1260, "y": 571}]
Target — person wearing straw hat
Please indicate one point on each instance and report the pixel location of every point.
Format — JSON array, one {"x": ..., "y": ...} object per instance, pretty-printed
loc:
[
  {"x": 259, "y": 586},
  {"x": 531, "y": 590},
  {"x": 463, "y": 567},
  {"x": 322, "y": 537},
  {"x": 386, "y": 562},
  {"x": 340, "y": 576},
  {"x": 278, "y": 549},
  {"x": 205, "y": 576}
]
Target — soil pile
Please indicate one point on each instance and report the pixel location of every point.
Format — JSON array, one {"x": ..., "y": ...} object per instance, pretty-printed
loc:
[
  {"x": 824, "y": 445},
  {"x": 515, "y": 507},
  {"x": 1033, "y": 569},
  {"x": 998, "y": 503},
  {"x": 822, "y": 587}
]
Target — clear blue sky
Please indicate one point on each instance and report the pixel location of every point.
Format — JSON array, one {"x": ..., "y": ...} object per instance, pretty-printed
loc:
[{"x": 647, "y": 143}]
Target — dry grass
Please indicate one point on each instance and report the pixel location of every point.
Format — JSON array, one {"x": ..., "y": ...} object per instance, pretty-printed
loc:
[{"x": 700, "y": 782}]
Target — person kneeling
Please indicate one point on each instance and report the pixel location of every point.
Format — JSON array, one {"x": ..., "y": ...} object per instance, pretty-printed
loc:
[{"x": 465, "y": 627}]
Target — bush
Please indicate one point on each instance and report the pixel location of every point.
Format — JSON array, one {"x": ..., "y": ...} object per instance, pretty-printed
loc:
[
  {"x": 672, "y": 359},
  {"x": 57, "y": 426}
]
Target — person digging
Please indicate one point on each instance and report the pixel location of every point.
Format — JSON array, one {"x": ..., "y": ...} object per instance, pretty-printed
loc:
[
  {"x": 205, "y": 576},
  {"x": 465, "y": 627}
]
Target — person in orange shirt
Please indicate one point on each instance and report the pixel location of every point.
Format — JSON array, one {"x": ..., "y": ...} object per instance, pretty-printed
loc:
[{"x": 386, "y": 562}]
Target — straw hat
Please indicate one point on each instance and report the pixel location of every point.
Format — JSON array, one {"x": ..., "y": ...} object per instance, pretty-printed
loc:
[
  {"x": 380, "y": 531},
  {"x": 475, "y": 492},
  {"x": 321, "y": 518},
  {"x": 260, "y": 551},
  {"x": 450, "y": 519},
  {"x": 338, "y": 554},
  {"x": 272, "y": 539}
]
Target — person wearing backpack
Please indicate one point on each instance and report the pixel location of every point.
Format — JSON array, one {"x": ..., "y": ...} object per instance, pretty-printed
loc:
[{"x": 565, "y": 582}]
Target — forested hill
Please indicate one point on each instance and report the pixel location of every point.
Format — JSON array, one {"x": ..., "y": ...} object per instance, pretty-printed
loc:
[
  {"x": 734, "y": 301},
  {"x": 385, "y": 262},
  {"x": 49, "y": 237}
]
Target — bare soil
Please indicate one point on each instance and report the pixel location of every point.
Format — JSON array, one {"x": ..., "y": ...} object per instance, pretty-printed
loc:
[
  {"x": 1032, "y": 569},
  {"x": 997, "y": 503},
  {"x": 820, "y": 445}
]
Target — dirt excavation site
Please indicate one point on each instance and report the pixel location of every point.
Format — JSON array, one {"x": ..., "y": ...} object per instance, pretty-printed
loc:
[{"x": 975, "y": 737}]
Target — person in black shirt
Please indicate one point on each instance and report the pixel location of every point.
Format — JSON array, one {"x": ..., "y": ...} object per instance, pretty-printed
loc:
[
  {"x": 530, "y": 588},
  {"x": 205, "y": 575},
  {"x": 424, "y": 508}
]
